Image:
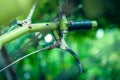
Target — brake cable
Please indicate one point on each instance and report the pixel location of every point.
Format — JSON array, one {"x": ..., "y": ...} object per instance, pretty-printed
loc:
[{"x": 61, "y": 44}]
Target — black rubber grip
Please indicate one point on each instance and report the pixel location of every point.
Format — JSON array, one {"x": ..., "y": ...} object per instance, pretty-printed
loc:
[{"x": 79, "y": 25}]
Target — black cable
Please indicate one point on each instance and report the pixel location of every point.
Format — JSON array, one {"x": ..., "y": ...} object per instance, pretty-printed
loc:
[{"x": 76, "y": 58}]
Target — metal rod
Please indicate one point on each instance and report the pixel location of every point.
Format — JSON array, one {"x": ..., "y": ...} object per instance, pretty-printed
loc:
[{"x": 37, "y": 27}]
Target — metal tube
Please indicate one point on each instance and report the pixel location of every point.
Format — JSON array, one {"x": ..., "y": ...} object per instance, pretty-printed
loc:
[{"x": 42, "y": 27}]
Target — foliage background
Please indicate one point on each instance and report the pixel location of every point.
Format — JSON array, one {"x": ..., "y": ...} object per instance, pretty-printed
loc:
[{"x": 97, "y": 49}]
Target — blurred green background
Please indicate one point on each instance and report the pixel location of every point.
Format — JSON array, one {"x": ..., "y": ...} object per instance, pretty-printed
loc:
[{"x": 98, "y": 49}]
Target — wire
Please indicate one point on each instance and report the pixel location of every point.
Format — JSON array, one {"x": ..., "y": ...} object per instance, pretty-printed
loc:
[
  {"x": 76, "y": 58},
  {"x": 64, "y": 46},
  {"x": 47, "y": 48}
]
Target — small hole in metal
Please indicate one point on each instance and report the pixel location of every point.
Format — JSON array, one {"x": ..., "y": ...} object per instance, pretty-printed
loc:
[{"x": 47, "y": 24}]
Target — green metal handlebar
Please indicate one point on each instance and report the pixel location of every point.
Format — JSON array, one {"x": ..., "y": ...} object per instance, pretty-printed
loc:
[
  {"x": 42, "y": 27},
  {"x": 37, "y": 27}
]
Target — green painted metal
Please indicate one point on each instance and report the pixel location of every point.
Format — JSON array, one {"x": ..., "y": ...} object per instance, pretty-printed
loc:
[
  {"x": 42, "y": 27},
  {"x": 62, "y": 26},
  {"x": 56, "y": 34},
  {"x": 94, "y": 24},
  {"x": 37, "y": 27},
  {"x": 63, "y": 23}
]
